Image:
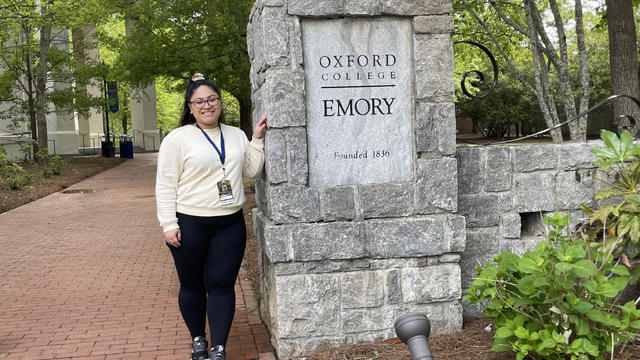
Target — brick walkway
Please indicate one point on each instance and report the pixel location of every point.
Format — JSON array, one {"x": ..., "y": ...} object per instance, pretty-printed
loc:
[{"x": 86, "y": 275}]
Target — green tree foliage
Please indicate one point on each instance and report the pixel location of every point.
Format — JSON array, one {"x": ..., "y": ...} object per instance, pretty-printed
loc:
[
  {"x": 33, "y": 53},
  {"x": 176, "y": 39},
  {"x": 524, "y": 36}
]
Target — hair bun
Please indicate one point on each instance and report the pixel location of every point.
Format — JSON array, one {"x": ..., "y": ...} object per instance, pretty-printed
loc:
[{"x": 197, "y": 76}]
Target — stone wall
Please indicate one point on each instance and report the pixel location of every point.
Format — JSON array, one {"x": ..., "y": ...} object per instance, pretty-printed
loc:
[
  {"x": 340, "y": 263},
  {"x": 504, "y": 191}
]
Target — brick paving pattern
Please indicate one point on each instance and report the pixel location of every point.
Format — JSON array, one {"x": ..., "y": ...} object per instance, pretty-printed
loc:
[{"x": 85, "y": 274}]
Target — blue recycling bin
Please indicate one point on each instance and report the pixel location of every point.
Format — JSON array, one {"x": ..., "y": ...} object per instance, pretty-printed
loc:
[{"x": 126, "y": 147}]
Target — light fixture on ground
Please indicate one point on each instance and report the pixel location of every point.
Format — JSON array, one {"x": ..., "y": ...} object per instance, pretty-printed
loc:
[{"x": 413, "y": 329}]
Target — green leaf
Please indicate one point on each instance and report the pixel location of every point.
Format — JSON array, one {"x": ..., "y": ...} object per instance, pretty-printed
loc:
[
  {"x": 635, "y": 274},
  {"x": 527, "y": 265},
  {"x": 611, "y": 140},
  {"x": 521, "y": 333},
  {"x": 618, "y": 283},
  {"x": 597, "y": 315},
  {"x": 632, "y": 249},
  {"x": 563, "y": 267},
  {"x": 635, "y": 324},
  {"x": 583, "y": 306},
  {"x": 503, "y": 333},
  {"x": 582, "y": 328},
  {"x": 584, "y": 268},
  {"x": 509, "y": 260},
  {"x": 605, "y": 193},
  {"x": 620, "y": 270},
  {"x": 575, "y": 252},
  {"x": 547, "y": 343}
]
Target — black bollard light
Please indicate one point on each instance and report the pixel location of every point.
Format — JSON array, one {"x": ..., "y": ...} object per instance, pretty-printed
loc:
[{"x": 413, "y": 329}]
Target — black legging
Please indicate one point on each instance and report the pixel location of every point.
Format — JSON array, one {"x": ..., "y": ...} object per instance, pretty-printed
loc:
[{"x": 208, "y": 262}]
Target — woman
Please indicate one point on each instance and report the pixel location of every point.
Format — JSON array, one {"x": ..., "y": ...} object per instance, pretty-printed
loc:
[{"x": 199, "y": 197}]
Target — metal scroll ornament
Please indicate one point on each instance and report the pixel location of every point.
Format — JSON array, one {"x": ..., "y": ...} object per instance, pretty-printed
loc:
[{"x": 479, "y": 82}]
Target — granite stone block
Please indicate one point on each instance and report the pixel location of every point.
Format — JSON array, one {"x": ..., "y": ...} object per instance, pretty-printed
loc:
[
  {"x": 479, "y": 210},
  {"x": 310, "y": 8},
  {"x": 450, "y": 258},
  {"x": 416, "y": 7},
  {"x": 362, "y": 289},
  {"x": 297, "y": 155},
  {"x": 437, "y": 186},
  {"x": 338, "y": 203},
  {"x": 407, "y": 237},
  {"x": 499, "y": 171},
  {"x": 456, "y": 233},
  {"x": 529, "y": 158},
  {"x": 510, "y": 225},
  {"x": 520, "y": 246},
  {"x": 275, "y": 36},
  {"x": 366, "y": 320},
  {"x": 434, "y": 66},
  {"x": 394, "y": 287},
  {"x": 470, "y": 170},
  {"x": 362, "y": 7},
  {"x": 283, "y": 97},
  {"x": 445, "y": 317},
  {"x": 431, "y": 283},
  {"x": 312, "y": 310},
  {"x": 323, "y": 241},
  {"x": 435, "y": 127},
  {"x": 386, "y": 200},
  {"x": 482, "y": 245},
  {"x": 289, "y": 204},
  {"x": 534, "y": 191},
  {"x": 574, "y": 156},
  {"x": 275, "y": 156},
  {"x": 433, "y": 24},
  {"x": 574, "y": 189}
]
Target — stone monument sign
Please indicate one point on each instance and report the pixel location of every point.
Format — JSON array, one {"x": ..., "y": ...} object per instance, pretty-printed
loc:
[
  {"x": 359, "y": 100},
  {"x": 357, "y": 211}
]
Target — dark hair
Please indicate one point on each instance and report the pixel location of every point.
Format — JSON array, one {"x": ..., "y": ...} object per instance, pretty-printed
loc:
[{"x": 192, "y": 86}]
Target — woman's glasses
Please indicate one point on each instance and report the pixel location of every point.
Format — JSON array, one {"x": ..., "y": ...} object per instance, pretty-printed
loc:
[{"x": 199, "y": 103}]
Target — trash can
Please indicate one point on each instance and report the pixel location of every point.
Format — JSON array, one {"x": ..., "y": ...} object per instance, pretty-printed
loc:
[
  {"x": 108, "y": 150},
  {"x": 126, "y": 147}
]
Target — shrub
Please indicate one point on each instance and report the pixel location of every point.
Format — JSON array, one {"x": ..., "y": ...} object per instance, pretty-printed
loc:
[
  {"x": 559, "y": 301},
  {"x": 554, "y": 302},
  {"x": 54, "y": 167},
  {"x": 12, "y": 175}
]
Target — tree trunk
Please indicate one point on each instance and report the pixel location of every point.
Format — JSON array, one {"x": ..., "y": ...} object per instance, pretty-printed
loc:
[
  {"x": 30, "y": 99},
  {"x": 541, "y": 76},
  {"x": 583, "y": 104},
  {"x": 246, "y": 123},
  {"x": 41, "y": 87},
  {"x": 623, "y": 57}
]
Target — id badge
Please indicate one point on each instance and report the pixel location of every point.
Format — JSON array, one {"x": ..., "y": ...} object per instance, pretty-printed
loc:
[{"x": 224, "y": 192}]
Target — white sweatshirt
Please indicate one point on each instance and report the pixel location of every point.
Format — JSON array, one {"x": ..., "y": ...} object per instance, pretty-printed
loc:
[{"x": 189, "y": 170}]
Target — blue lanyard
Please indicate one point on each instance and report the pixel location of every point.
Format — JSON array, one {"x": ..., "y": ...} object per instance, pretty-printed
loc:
[{"x": 220, "y": 153}]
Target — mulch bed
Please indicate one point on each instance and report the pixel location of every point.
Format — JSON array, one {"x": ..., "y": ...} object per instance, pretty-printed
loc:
[{"x": 77, "y": 169}]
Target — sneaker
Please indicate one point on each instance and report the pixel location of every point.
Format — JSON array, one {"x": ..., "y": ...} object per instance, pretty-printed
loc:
[
  {"x": 217, "y": 353},
  {"x": 199, "y": 348}
]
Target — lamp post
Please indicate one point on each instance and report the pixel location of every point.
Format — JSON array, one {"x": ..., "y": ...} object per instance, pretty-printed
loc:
[{"x": 413, "y": 329}]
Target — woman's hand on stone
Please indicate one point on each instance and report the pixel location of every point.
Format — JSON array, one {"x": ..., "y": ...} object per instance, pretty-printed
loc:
[
  {"x": 173, "y": 237},
  {"x": 261, "y": 127}
]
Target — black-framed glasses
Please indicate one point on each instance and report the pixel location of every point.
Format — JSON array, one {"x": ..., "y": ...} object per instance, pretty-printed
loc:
[{"x": 199, "y": 103}]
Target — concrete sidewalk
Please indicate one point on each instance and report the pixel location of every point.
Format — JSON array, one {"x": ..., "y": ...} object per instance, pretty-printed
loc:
[{"x": 85, "y": 274}]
